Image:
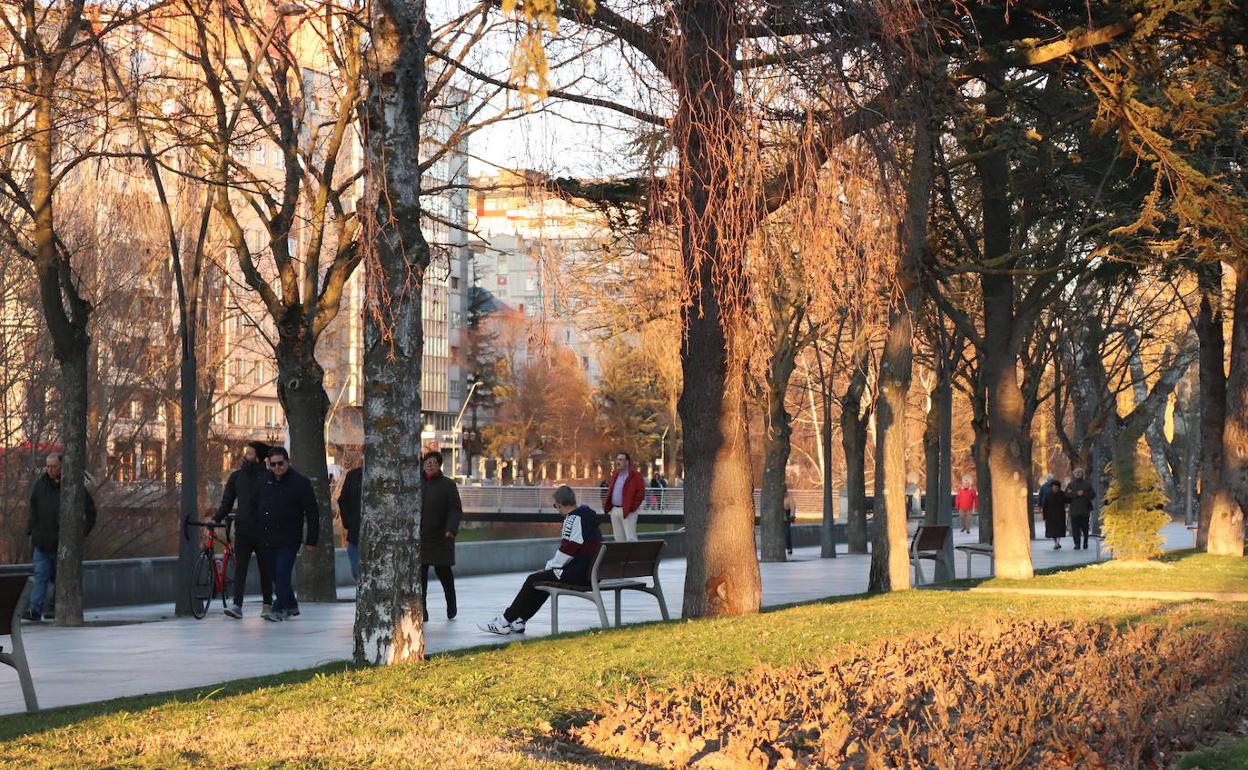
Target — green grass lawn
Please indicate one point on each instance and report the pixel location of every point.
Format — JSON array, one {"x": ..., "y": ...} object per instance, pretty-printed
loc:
[
  {"x": 1176, "y": 571},
  {"x": 1233, "y": 757},
  {"x": 494, "y": 707}
]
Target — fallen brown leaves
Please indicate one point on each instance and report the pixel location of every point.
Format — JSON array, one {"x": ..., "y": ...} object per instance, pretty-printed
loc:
[{"x": 1018, "y": 695}]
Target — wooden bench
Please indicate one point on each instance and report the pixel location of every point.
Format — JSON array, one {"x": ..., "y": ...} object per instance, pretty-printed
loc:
[
  {"x": 1195, "y": 530},
  {"x": 928, "y": 543},
  {"x": 1098, "y": 538},
  {"x": 618, "y": 567},
  {"x": 979, "y": 549},
  {"x": 14, "y": 599}
]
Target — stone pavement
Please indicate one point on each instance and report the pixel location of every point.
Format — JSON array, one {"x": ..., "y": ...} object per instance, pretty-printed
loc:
[{"x": 140, "y": 650}]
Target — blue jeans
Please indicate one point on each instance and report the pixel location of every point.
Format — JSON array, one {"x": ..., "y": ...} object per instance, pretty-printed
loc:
[
  {"x": 353, "y": 556},
  {"x": 45, "y": 572},
  {"x": 281, "y": 560}
]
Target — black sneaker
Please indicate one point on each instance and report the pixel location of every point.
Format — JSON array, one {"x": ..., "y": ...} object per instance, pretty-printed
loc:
[
  {"x": 32, "y": 616},
  {"x": 292, "y": 613}
]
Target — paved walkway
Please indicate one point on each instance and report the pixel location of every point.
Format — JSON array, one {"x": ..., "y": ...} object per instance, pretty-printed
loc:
[{"x": 140, "y": 650}]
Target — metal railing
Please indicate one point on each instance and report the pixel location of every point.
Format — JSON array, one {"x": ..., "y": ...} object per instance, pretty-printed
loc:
[{"x": 503, "y": 499}]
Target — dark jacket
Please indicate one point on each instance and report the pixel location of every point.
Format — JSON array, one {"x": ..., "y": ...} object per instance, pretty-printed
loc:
[
  {"x": 349, "y": 503},
  {"x": 578, "y": 546},
  {"x": 1054, "y": 510},
  {"x": 281, "y": 509},
  {"x": 1080, "y": 506},
  {"x": 440, "y": 512},
  {"x": 44, "y": 525},
  {"x": 240, "y": 488}
]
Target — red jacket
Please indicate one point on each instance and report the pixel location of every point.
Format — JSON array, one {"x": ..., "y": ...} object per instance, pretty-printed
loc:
[{"x": 634, "y": 492}]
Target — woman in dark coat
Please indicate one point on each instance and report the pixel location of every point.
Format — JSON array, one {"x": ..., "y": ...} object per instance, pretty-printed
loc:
[
  {"x": 440, "y": 513},
  {"x": 1054, "y": 510}
]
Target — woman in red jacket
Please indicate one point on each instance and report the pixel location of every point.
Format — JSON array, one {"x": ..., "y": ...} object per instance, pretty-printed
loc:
[{"x": 967, "y": 502}]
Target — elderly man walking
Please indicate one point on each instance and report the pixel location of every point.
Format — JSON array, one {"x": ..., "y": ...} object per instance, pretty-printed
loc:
[
  {"x": 44, "y": 530},
  {"x": 626, "y": 491}
]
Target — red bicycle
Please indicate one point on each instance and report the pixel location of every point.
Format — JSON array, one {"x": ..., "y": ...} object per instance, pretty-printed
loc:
[{"x": 213, "y": 573}]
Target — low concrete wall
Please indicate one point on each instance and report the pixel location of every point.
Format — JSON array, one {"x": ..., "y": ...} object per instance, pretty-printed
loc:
[{"x": 120, "y": 582}]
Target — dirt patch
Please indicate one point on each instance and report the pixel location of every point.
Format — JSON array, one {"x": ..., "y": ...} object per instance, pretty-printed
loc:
[{"x": 1018, "y": 695}]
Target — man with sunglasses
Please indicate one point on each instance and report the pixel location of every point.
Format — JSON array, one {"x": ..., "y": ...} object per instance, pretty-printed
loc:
[{"x": 283, "y": 505}]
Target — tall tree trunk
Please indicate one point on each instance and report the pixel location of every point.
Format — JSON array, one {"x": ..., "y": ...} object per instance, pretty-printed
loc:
[
  {"x": 388, "y": 606},
  {"x": 931, "y": 461},
  {"x": 1215, "y": 499},
  {"x": 301, "y": 390},
  {"x": 1226, "y": 527},
  {"x": 722, "y": 576},
  {"x": 938, "y": 455},
  {"x": 71, "y": 345},
  {"x": 854, "y": 444},
  {"x": 1028, "y": 447},
  {"x": 979, "y": 454},
  {"x": 890, "y": 559},
  {"x": 999, "y": 368},
  {"x": 1155, "y": 433},
  {"x": 777, "y": 445},
  {"x": 827, "y": 533}
]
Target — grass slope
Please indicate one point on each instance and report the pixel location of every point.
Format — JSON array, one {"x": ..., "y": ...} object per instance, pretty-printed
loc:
[{"x": 1176, "y": 571}]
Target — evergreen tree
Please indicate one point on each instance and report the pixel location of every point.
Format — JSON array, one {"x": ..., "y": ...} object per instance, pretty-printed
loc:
[{"x": 1135, "y": 509}]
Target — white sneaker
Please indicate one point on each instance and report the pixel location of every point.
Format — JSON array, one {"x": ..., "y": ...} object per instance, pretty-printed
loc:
[
  {"x": 499, "y": 625},
  {"x": 517, "y": 626}
]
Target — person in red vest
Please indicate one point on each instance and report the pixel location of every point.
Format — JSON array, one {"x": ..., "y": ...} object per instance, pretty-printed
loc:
[
  {"x": 624, "y": 495},
  {"x": 966, "y": 502}
]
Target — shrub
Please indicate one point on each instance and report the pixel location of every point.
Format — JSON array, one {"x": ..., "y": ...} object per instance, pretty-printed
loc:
[
  {"x": 1134, "y": 511},
  {"x": 1019, "y": 695}
]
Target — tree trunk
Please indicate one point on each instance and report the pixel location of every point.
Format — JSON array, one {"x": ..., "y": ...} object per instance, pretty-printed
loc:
[
  {"x": 1155, "y": 433},
  {"x": 931, "y": 461},
  {"x": 827, "y": 534},
  {"x": 1226, "y": 527},
  {"x": 301, "y": 390},
  {"x": 722, "y": 576},
  {"x": 389, "y": 604},
  {"x": 854, "y": 444},
  {"x": 73, "y": 490},
  {"x": 890, "y": 558},
  {"x": 777, "y": 445},
  {"x": 1028, "y": 462},
  {"x": 1215, "y": 499},
  {"x": 938, "y": 456},
  {"x": 999, "y": 368},
  {"x": 983, "y": 472}
]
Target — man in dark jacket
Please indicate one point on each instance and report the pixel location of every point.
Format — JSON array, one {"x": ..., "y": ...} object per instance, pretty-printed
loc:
[
  {"x": 44, "y": 527},
  {"x": 283, "y": 504},
  {"x": 582, "y": 537},
  {"x": 240, "y": 488},
  {"x": 349, "y": 498},
  {"x": 440, "y": 513},
  {"x": 1081, "y": 494}
]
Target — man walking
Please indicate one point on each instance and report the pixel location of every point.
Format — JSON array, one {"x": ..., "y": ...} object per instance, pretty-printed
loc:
[
  {"x": 578, "y": 547},
  {"x": 44, "y": 529},
  {"x": 349, "y": 498},
  {"x": 240, "y": 488},
  {"x": 283, "y": 504},
  {"x": 440, "y": 514},
  {"x": 1080, "y": 494},
  {"x": 625, "y": 493}
]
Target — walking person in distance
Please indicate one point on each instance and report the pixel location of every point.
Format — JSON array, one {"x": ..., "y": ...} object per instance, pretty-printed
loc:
[
  {"x": 286, "y": 512},
  {"x": 440, "y": 514},
  {"x": 240, "y": 488}
]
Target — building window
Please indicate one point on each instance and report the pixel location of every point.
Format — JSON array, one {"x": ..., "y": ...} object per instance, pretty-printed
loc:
[
  {"x": 251, "y": 414},
  {"x": 455, "y": 282},
  {"x": 270, "y": 416}
]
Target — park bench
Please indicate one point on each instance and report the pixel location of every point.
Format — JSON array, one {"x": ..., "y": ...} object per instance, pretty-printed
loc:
[
  {"x": 978, "y": 549},
  {"x": 14, "y": 599},
  {"x": 928, "y": 543},
  {"x": 618, "y": 567}
]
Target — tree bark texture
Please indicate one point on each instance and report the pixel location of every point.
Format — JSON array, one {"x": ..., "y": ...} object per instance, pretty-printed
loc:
[
  {"x": 722, "y": 576},
  {"x": 938, "y": 451},
  {"x": 301, "y": 390},
  {"x": 389, "y": 605},
  {"x": 854, "y": 444},
  {"x": 777, "y": 440},
  {"x": 979, "y": 455},
  {"x": 1155, "y": 431},
  {"x": 1215, "y": 500},
  {"x": 999, "y": 369},
  {"x": 890, "y": 558},
  {"x": 1226, "y": 528}
]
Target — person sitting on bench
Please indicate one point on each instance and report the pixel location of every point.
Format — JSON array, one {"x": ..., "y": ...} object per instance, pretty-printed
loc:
[{"x": 578, "y": 546}]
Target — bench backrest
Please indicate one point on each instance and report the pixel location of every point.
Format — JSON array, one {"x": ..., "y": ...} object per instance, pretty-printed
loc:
[
  {"x": 11, "y": 587},
  {"x": 930, "y": 537},
  {"x": 629, "y": 560}
]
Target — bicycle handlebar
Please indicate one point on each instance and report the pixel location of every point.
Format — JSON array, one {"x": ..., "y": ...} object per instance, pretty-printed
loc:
[{"x": 229, "y": 522}]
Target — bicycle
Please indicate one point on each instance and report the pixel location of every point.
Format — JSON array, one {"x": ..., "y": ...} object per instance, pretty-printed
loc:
[{"x": 212, "y": 574}]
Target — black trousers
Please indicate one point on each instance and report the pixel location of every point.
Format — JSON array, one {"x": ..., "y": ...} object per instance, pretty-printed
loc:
[
  {"x": 244, "y": 546},
  {"x": 446, "y": 577},
  {"x": 1079, "y": 526},
  {"x": 529, "y": 600}
]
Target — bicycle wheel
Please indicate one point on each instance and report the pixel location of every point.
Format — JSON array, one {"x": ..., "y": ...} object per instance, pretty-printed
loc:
[
  {"x": 227, "y": 583},
  {"x": 201, "y": 585}
]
